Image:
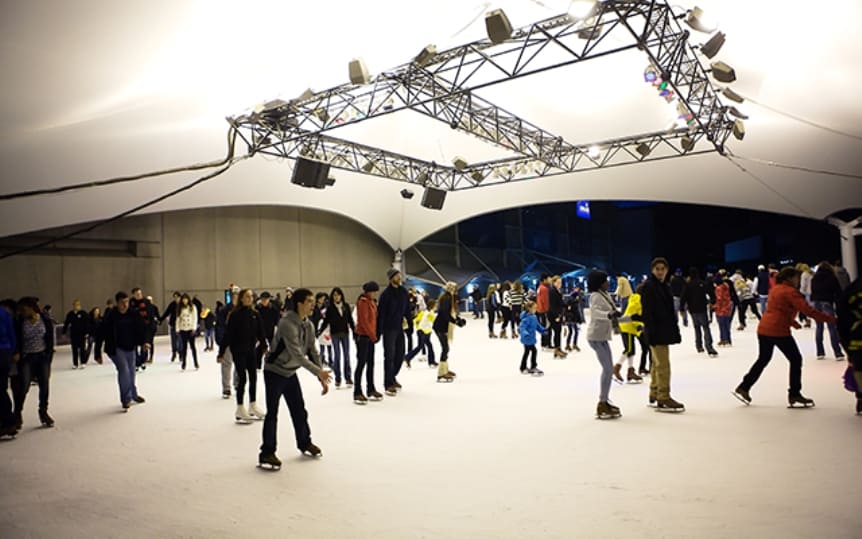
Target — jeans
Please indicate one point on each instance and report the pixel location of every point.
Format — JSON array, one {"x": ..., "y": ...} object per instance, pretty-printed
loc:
[
  {"x": 724, "y": 328},
  {"x": 529, "y": 351},
  {"x": 364, "y": 357},
  {"x": 659, "y": 383},
  {"x": 341, "y": 344},
  {"x": 516, "y": 318},
  {"x": 393, "y": 355},
  {"x": 245, "y": 361},
  {"x": 763, "y": 304},
  {"x": 209, "y": 338},
  {"x": 423, "y": 344},
  {"x": 828, "y": 308},
  {"x": 125, "y": 360},
  {"x": 187, "y": 340},
  {"x": 603, "y": 353},
  {"x": 477, "y": 310},
  {"x": 6, "y": 417},
  {"x": 574, "y": 330},
  {"x": 278, "y": 386},
  {"x": 701, "y": 324},
  {"x": 788, "y": 347}
]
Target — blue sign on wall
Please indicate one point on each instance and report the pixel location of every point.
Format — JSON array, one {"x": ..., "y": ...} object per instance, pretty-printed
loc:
[{"x": 583, "y": 209}]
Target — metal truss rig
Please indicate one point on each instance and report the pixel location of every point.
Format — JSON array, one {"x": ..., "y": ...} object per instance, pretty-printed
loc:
[{"x": 442, "y": 85}]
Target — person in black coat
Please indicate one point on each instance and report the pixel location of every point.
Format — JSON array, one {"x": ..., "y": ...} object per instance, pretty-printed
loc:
[
  {"x": 556, "y": 308},
  {"x": 244, "y": 331},
  {"x": 393, "y": 308},
  {"x": 660, "y": 324},
  {"x": 339, "y": 320},
  {"x": 76, "y": 325},
  {"x": 698, "y": 296},
  {"x": 850, "y": 329},
  {"x": 572, "y": 317},
  {"x": 825, "y": 291},
  {"x": 96, "y": 334},
  {"x": 447, "y": 313},
  {"x": 170, "y": 314},
  {"x": 125, "y": 331},
  {"x": 269, "y": 317}
]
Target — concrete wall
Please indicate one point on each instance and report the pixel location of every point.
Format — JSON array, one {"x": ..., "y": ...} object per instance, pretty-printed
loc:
[{"x": 201, "y": 251}]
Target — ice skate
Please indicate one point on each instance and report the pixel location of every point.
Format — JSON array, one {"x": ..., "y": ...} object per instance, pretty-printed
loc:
[
  {"x": 568, "y": 348},
  {"x": 652, "y": 401},
  {"x": 375, "y": 396},
  {"x": 396, "y": 385},
  {"x": 858, "y": 405},
  {"x": 559, "y": 354},
  {"x": 712, "y": 353},
  {"x": 9, "y": 432},
  {"x": 360, "y": 399},
  {"x": 669, "y": 405},
  {"x": 643, "y": 372},
  {"x": 127, "y": 405},
  {"x": 525, "y": 370},
  {"x": 225, "y": 394},
  {"x": 269, "y": 462},
  {"x": 443, "y": 374},
  {"x": 45, "y": 419},
  {"x": 742, "y": 395},
  {"x": 338, "y": 384},
  {"x": 492, "y": 335},
  {"x": 606, "y": 410},
  {"x": 242, "y": 416},
  {"x": 138, "y": 400},
  {"x": 349, "y": 383},
  {"x": 575, "y": 348},
  {"x": 618, "y": 377},
  {"x": 536, "y": 372},
  {"x": 632, "y": 377},
  {"x": 255, "y": 412},
  {"x": 391, "y": 391},
  {"x": 312, "y": 450},
  {"x": 793, "y": 400}
]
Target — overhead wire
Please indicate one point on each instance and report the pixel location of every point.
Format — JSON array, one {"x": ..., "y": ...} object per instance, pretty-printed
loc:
[
  {"x": 732, "y": 158},
  {"x": 800, "y": 119}
]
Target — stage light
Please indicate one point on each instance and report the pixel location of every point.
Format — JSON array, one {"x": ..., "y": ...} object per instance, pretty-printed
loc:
[
  {"x": 594, "y": 152},
  {"x": 711, "y": 47},
  {"x": 406, "y": 194},
  {"x": 698, "y": 20},
  {"x": 477, "y": 176},
  {"x": 368, "y": 166},
  {"x": 460, "y": 163},
  {"x": 643, "y": 149},
  {"x": 433, "y": 198},
  {"x": 498, "y": 26},
  {"x": 358, "y": 71},
  {"x": 583, "y": 9},
  {"x": 738, "y": 130},
  {"x": 423, "y": 178},
  {"x": 425, "y": 55},
  {"x": 687, "y": 144},
  {"x": 723, "y": 72},
  {"x": 590, "y": 29},
  {"x": 737, "y": 113},
  {"x": 730, "y": 94}
]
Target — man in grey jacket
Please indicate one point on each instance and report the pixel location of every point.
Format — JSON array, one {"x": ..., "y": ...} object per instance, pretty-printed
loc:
[{"x": 294, "y": 346}]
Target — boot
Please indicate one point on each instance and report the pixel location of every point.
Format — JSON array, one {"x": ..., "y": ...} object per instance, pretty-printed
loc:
[
  {"x": 632, "y": 377},
  {"x": 559, "y": 354},
  {"x": 443, "y": 374},
  {"x": 254, "y": 412},
  {"x": 375, "y": 396},
  {"x": 568, "y": 348},
  {"x": 241, "y": 415},
  {"x": 606, "y": 410},
  {"x": 312, "y": 450},
  {"x": 46, "y": 420},
  {"x": 793, "y": 400},
  {"x": 669, "y": 405},
  {"x": 575, "y": 348},
  {"x": 359, "y": 398},
  {"x": 269, "y": 462},
  {"x": 742, "y": 394},
  {"x": 858, "y": 405},
  {"x": 492, "y": 335},
  {"x": 618, "y": 377}
]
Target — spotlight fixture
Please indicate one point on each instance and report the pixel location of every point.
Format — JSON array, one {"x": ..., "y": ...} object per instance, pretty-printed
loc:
[
  {"x": 368, "y": 167},
  {"x": 594, "y": 152},
  {"x": 590, "y": 29},
  {"x": 580, "y": 10},
  {"x": 737, "y": 113},
  {"x": 733, "y": 96},
  {"x": 698, "y": 20},
  {"x": 425, "y": 55},
  {"x": 359, "y": 72},
  {"x": 738, "y": 130},
  {"x": 460, "y": 163},
  {"x": 498, "y": 26},
  {"x": 477, "y": 176},
  {"x": 643, "y": 149},
  {"x": 687, "y": 144},
  {"x": 433, "y": 198},
  {"x": 406, "y": 194},
  {"x": 423, "y": 178},
  {"x": 309, "y": 173},
  {"x": 713, "y": 45},
  {"x": 723, "y": 72}
]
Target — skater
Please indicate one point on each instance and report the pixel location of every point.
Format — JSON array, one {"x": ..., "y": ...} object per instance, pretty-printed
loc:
[
  {"x": 424, "y": 323},
  {"x": 141, "y": 305},
  {"x": 572, "y": 317},
  {"x": 603, "y": 314},
  {"x": 208, "y": 321},
  {"x": 392, "y": 312},
  {"x": 77, "y": 327},
  {"x": 492, "y": 302},
  {"x": 35, "y": 338},
  {"x": 785, "y": 301},
  {"x": 699, "y": 297},
  {"x": 244, "y": 330},
  {"x": 631, "y": 327},
  {"x": 226, "y": 362},
  {"x": 170, "y": 313},
  {"x": 96, "y": 336},
  {"x": 447, "y": 317},
  {"x": 293, "y": 347},
  {"x": 339, "y": 322},
  {"x": 506, "y": 310},
  {"x": 124, "y": 331},
  {"x": 746, "y": 300},
  {"x": 850, "y": 330},
  {"x": 724, "y": 308},
  {"x": 542, "y": 308},
  {"x": 186, "y": 325},
  {"x": 556, "y": 308},
  {"x": 517, "y": 298},
  {"x": 527, "y": 332},
  {"x": 825, "y": 291},
  {"x": 623, "y": 291},
  {"x": 323, "y": 339},
  {"x": 660, "y": 325},
  {"x": 366, "y": 335},
  {"x": 8, "y": 346},
  {"x": 269, "y": 317}
]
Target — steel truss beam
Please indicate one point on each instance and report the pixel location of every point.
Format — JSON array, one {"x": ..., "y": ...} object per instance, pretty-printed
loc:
[{"x": 441, "y": 86}]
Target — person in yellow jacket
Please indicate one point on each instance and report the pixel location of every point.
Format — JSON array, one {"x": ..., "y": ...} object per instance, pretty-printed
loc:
[
  {"x": 624, "y": 291},
  {"x": 630, "y": 330},
  {"x": 424, "y": 324}
]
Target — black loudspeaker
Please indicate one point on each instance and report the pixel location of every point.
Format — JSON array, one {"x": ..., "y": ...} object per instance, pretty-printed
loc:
[
  {"x": 308, "y": 173},
  {"x": 433, "y": 198}
]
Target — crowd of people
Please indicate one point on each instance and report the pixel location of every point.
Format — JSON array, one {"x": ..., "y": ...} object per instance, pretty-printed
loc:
[{"x": 279, "y": 335}]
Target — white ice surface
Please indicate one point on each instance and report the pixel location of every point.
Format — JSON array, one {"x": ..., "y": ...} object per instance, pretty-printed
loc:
[{"x": 496, "y": 454}]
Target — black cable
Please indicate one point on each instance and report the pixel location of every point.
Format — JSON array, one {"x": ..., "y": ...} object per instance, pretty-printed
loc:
[
  {"x": 127, "y": 212},
  {"x": 231, "y": 139},
  {"x": 730, "y": 157},
  {"x": 799, "y": 168},
  {"x": 802, "y": 120}
]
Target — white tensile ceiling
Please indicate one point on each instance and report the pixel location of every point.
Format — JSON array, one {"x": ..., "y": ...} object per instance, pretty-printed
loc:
[{"x": 97, "y": 88}]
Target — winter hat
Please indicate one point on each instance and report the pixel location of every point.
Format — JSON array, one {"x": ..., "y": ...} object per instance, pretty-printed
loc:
[
  {"x": 761, "y": 267},
  {"x": 595, "y": 280},
  {"x": 390, "y": 273},
  {"x": 264, "y": 295},
  {"x": 370, "y": 286}
]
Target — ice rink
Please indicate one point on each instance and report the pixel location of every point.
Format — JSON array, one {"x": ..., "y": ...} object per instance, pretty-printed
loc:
[{"x": 495, "y": 454}]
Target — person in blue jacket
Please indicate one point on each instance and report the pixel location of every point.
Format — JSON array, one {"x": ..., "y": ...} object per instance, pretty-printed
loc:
[{"x": 527, "y": 331}]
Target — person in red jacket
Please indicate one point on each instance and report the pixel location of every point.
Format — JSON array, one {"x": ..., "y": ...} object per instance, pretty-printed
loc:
[
  {"x": 785, "y": 302},
  {"x": 542, "y": 305},
  {"x": 366, "y": 336}
]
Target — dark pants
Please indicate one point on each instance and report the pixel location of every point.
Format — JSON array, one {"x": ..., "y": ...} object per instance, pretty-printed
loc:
[
  {"x": 187, "y": 340},
  {"x": 855, "y": 358},
  {"x": 529, "y": 350},
  {"x": 245, "y": 364},
  {"x": 6, "y": 417},
  {"x": 278, "y": 386},
  {"x": 700, "y": 321},
  {"x": 364, "y": 357},
  {"x": 175, "y": 340},
  {"x": 409, "y": 334},
  {"x": 546, "y": 336},
  {"x": 745, "y": 305},
  {"x": 209, "y": 336},
  {"x": 572, "y": 337},
  {"x": 516, "y": 317},
  {"x": 556, "y": 332},
  {"x": 444, "y": 344},
  {"x": 33, "y": 365},
  {"x": 788, "y": 347},
  {"x": 506, "y": 313},
  {"x": 829, "y": 308},
  {"x": 628, "y": 344},
  {"x": 393, "y": 355},
  {"x": 79, "y": 347},
  {"x": 97, "y": 348},
  {"x": 423, "y": 344},
  {"x": 646, "y": 363},
  {"x": 492, "y": 315}
]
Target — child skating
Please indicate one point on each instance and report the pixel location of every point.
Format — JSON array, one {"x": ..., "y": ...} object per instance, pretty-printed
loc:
[{"x": 527, "y": 330}]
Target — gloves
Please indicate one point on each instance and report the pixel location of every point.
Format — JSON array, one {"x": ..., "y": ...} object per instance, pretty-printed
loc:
[{"x": 614, "y": 315}]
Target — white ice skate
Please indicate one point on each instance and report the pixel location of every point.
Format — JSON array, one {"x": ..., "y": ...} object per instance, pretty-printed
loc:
[
  {"x": 242, "y": 416},
  {"x": 255, "y": 412}
]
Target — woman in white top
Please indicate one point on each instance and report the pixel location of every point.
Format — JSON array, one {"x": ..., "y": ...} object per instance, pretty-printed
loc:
[
  {"x": 187, "y": 325},
  {"x": 599, "y": 334},
  {"x": 805, "y": 287}
]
